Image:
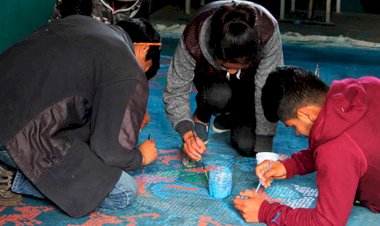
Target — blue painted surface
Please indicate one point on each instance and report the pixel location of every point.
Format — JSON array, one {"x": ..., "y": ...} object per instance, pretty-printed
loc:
[
  {"x": 173, "y": 195},
  {"x": 335, "y": 63}
]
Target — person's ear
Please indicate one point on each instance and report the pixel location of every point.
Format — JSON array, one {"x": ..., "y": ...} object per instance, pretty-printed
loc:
[{"x": 306, "y": 113}]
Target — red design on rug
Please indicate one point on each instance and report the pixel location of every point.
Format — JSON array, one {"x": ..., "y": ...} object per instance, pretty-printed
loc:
[
  {"x": 26, "y": 216},
  {"x": 97, "y": 218},
  {"x": 132, "y": 219}
]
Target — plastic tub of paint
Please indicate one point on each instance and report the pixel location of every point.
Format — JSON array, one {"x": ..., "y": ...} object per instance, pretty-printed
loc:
[
  {"x": 262, "y": 156},
  {"x": 220, "y": 184}
]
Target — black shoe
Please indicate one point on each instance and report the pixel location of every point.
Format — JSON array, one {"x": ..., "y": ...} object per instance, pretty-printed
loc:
[
  {"x": 202, "y": 131},
  {"x": 222, "y": 123},
  {"x": 7, "y": 198}
]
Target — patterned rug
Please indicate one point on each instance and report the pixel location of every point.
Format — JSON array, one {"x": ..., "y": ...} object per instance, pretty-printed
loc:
[{"x": 170, "y": 194}]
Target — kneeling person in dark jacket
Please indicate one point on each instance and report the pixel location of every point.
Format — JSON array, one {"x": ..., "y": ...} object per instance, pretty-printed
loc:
[{"x": 74, "y": 95}]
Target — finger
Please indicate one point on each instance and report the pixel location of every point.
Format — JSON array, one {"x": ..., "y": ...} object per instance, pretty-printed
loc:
[
  {"x": 238, "y": 204},
  {"x": 248, "y": 193},
  {"x": 193, "y": 154},
  {"x": 186, "y": 148},
  {"x": 260, "y": 169},
  {"x": 238, "y": 200},
  {"x": 196, "y": 144},
  {"x": 197, "y": 157},
  {"x": 195, "y": 150},
  {"x": 269, "y": 171},
  {"x": 270, "y": 175},
  {"x": 202, "y": 145},
  {"x": 267, "y": 183},
  {"x": 242, "y": 192},
  {"x": 266, "y": 174}
]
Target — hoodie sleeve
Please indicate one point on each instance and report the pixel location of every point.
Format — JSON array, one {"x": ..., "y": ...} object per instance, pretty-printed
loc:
[
  {"x": 339, "y": 168},
  {"x": 272, "y": 57},
  {"x": 300, "y": 163},
  {"x": 178, "y": 87}
]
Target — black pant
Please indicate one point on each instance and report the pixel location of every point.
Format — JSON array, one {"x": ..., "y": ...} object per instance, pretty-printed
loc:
[{"x": 216, "y": 94}]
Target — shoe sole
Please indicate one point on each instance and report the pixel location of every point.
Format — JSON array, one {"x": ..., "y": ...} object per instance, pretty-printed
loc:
[{"x": 216, "y": 130}]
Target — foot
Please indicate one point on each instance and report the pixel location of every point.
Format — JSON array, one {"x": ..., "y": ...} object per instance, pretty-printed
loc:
[
  {"x": 7, "y": 197},
  {"x": 222, "y": 123}
]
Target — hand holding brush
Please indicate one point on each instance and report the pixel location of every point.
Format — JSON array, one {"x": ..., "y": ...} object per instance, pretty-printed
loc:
[
  {"x": 266, "y": 170},
  {"x": 200, "y": 160}
]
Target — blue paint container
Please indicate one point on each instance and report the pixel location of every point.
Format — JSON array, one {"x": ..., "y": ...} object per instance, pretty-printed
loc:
[{"x": 220, "y": 183}]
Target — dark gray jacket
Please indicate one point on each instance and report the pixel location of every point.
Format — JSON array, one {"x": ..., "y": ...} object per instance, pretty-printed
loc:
[{"x": 72, "y": 101}]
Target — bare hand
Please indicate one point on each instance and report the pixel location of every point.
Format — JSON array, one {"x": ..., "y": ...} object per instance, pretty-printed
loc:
[
  {"x": 249, "y": 207},
  {"x": 193, "y": 145},
  {"x": 149, "y": 152},
  {"x": 276, "y": 171}
]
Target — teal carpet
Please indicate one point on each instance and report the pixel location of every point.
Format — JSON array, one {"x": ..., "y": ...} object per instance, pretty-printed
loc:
[{"x": 170, "y": 194}]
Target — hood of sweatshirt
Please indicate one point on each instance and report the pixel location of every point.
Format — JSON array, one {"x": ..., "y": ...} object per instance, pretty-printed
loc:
[{"x": 346, "y": 103}]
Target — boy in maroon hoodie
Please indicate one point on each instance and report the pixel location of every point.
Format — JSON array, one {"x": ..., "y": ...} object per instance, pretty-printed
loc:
[{"x": 343, "y": 128}]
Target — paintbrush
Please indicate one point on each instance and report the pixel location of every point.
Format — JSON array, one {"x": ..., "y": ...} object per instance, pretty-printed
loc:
[
  {"x": 143, "y": 167},
  {"x": 201, "y": 160},
  {"x": 266, "y": 170},
  {"x": 204, "y": 169}
]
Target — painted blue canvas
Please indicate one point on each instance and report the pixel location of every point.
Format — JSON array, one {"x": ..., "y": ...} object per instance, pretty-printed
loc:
[{"x": 170, "y": 194}]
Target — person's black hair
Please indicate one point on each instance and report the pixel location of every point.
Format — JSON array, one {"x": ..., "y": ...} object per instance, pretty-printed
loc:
[
  {"x": 84, "y": 7},
  {"x": 140, "y": 30},
  {"x": 288, "y": 88},
  {"x": 234, "y": 34},
  {"x": 74, "y": 7}
]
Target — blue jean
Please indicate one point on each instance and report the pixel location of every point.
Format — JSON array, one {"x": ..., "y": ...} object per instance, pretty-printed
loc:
[{"x": 123, "y": 193}]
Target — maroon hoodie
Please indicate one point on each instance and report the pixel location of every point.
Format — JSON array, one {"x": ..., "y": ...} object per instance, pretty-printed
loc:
[{"x": 344, "y": 150}]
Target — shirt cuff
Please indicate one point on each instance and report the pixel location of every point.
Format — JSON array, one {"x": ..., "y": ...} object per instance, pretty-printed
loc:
[
  {"x": 263, "y": 213},
  {"x": 184, "y": 127},
  {"x": 290, "y": 167}
]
